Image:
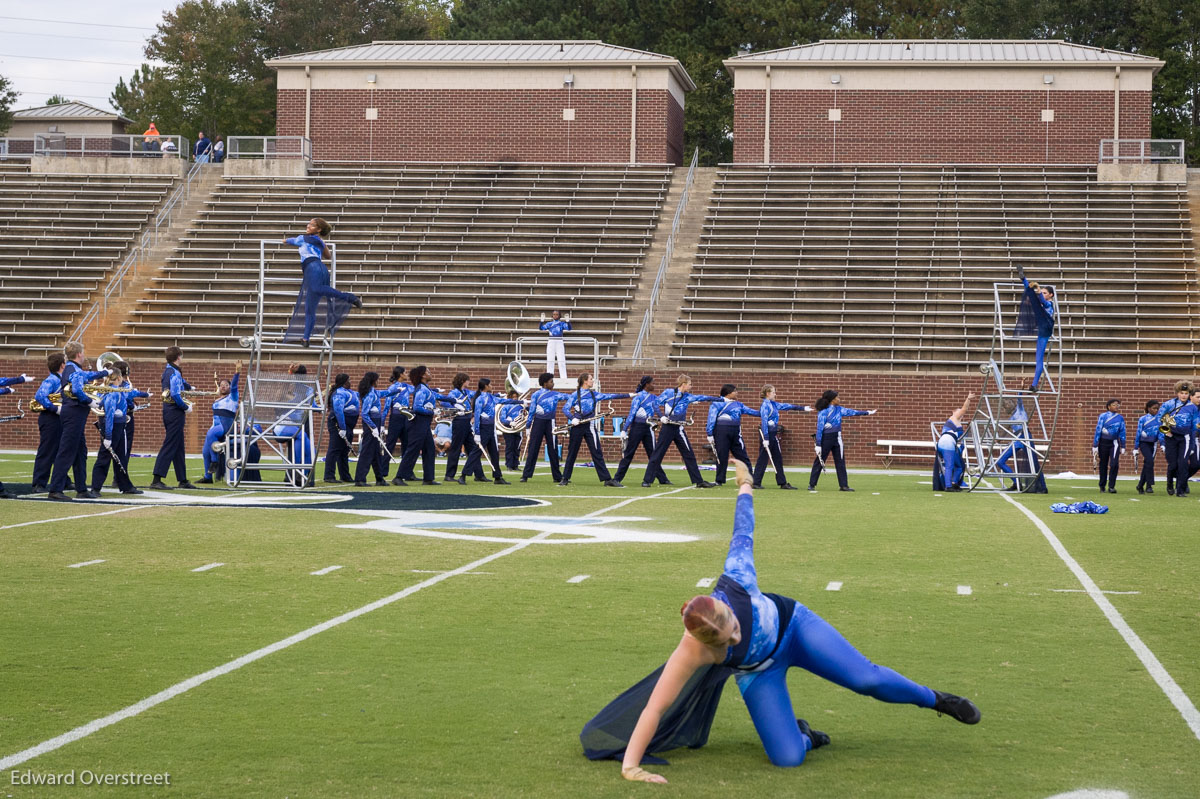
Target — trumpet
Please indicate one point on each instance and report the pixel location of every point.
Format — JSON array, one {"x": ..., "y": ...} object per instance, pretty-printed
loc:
[{"x": 187, "y": 395}]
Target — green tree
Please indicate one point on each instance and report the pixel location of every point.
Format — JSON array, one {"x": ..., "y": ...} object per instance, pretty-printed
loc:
[
  {"x": 298, "y": 26},
  {"x": 56, "y": 99},
  {"x": 8, "y": 96}
]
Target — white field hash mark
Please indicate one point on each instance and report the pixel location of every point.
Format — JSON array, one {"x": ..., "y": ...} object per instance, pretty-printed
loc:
[
  {"x": 85, "y": 563},
  {"x": 834, "y": 585},
  {"x": 579, "y": 578},
  {"x": 705, "y": 582},
  {"x": 326, "y": 570},
  {"x": 964, "y": 590},
  {"x": 1165, "y": 681},
  {"x": 208, "y": 567},
  {"x": 175, "y": 690}
]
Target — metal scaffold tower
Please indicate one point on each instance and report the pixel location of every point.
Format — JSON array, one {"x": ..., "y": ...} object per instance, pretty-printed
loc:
[
  {"x": 276, "y": 428},
  {"x": 1008, "y": 439}
]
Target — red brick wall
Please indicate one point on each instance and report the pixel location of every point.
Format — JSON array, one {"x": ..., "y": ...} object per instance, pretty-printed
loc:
[
  {"x": 906, "y": 404},
  {"x": 483, "y": 125},
  {"x": 934, "y": 126}
]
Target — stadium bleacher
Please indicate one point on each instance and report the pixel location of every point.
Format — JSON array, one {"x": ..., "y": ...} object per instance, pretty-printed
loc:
[
  {"x": 63, "y": 235},
  {"x": 454, "y": 261},
  {"x": 892, "y": 267}
]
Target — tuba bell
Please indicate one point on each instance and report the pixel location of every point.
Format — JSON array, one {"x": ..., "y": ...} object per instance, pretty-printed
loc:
[
  {"x": 518, "y": 379},
  {"x": 106, "y": 360}
]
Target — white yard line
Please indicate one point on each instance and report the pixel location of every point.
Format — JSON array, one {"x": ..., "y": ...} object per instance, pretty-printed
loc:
[
  {"x": 834, "y": 586},
  {"x": 1084, "y": 591},
  {"x": 125, "y": 509},
  {"x": 1165, "y": 681},
  {"x": 208, "y": 567},
  {"x": 85, "y": 563},
  {"x": 326, "y": 570},
  {"x": 183, "y": 687}
]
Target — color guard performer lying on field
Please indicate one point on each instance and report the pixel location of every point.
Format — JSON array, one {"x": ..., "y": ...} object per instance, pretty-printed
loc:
[
  {"x": 739, "y": 630},
  {"x": 316, "y": 286}
]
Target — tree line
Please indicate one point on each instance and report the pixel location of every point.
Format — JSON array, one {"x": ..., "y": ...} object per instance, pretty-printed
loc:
[{"x": 209, "y": 54}]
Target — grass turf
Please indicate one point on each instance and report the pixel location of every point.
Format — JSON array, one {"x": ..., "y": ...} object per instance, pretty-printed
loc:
[{"x": 478, "y": 685}]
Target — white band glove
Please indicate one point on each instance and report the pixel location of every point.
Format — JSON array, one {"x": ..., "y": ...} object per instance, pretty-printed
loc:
[
  {"x": 872, "y": 413},
  {"x": 624, "y": 435},
  {"x": 478, "y": 440},
  {"x": 187, "y": 408},
  {"x": 817, "y": 449},
  {"x": 56, "y": 408},
  {"x": 575, "y": 422},
  {"x": 543, "y": 317},
  {"x": 1095, "y": 452},
  {"x": 108, "y": 443},
  {"x": 343, "y": 434},
  {"x": 663, "y": 420},
  {"x": 26, "y": 378},
  {"x": 1122, "y": 452},
  {"x": 712, "y": 443}
]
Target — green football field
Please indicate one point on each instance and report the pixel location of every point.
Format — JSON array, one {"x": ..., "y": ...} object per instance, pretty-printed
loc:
[{"x": 457, "y": 650}]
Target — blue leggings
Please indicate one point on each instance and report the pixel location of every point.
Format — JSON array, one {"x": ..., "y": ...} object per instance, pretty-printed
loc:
[
  {"x": 948, "y": 455},
  {"x": 813, "y": 644},
  {"x": 213, "y": 462},
  {"x": 1042, "y": 343},
  {"x": 316, "y": 281}
]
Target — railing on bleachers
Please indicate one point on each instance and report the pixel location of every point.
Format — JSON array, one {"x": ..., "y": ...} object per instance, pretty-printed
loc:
[
  {"x": 1142, "y": 151},
  {"x": 123, "y": 145},
  {"x": 270, "y": 147}
]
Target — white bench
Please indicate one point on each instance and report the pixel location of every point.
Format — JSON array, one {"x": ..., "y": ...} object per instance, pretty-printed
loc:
[{"x": 927, "y": 448}]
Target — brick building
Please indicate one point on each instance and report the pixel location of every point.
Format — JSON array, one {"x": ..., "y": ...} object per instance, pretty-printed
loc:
[
  {"x": 562, "y": 101},
  {"x": 937, "y": 102}
]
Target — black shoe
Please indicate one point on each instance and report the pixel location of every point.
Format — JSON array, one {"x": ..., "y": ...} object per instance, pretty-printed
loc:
[
  {"x": 756, "y": 486},
  {"x": 86, "y": 495},
  {"x": 1141, "y": 490},
  {"x": 563, "y": 483},
  {"x": 1150, "y": 490},
  {"x": 159, "y": 485},
  {"x": 812, "y": 489},
  {"x": 462, "y": 481},
  {"x": 647, "y": 485},
  {"x": 1033, "y": 389},
  {"x": 133, "y": 491},
  {"x": 360, "y": 483},
  {"x": 951, "y": 488},
  {"x": 481, "y": 480},
  {"x": 356, "y": 302},
  {"x": 789, "y": 487},
  {"x": 1112, "y": 490},
  {"x": 381, "y": 483},
  {"x": 6, "y": 494},
  {"x": 848, "y": 488},
  {"x": 58, "y": 496},
  {"x": 613, "y": 484},
  {"x": 430, "y": 483},
  {"x": 346, "y": 480},
  {"x": 185, "y": 484},
  {"x": 957, "y": 707},
  {"x": 500, "y": 481},
  {"x": 304, "y": 343},
  {"x": 396, "y": 481},
  {"x": 205, "y": 481},
  {"x": 1170, "y": 491},
  {"x": 39, "y": 490},
  {"x": 817, "y": 737},
  {"x": 524, "y": 479},
  {"x": 334, "y": 482},
  {"x": 665, "y": 483},
  {"x": 705, "y": 484}
]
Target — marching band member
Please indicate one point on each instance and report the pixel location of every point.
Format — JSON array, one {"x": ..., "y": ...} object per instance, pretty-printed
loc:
[
  {"x": 828, "y": 438},
  {"x": 1110, "y": 429},
  {"x": 172, "y": 452},
  {"x": 554, "y": 344},
  {"x": 423, "y": 400},
  {"x": 115, "y": 408},
  {"x": 1174, "y": 444},
  {"x": 1040, "y": 300},
  {"x": 768, "y": 430},
  {"x": 1146, "y": 445},
  {"x": 672, "y": 418},
  {"x": 341, "y": 416},
  {"x": 638, "y": 431},
  {"x": 397, "y": 422},
  {"x": 130, "y": 412},
  {"x": 224, "y": 414},
  {"x": 724, "y": 430},
  {"x": 370, "y": 448},
  {"x": 72, "y": 446},
  {"x": 49, "y": 423},
  {"x": 581, "y": 409},
  {"x": 949, "y": 457},
  {"x": 483, "y": 426},
  {"x": 462, "y": 437},
  {"x": 316, "y": 285},
  {"x": 543, "y": 407},
  {"x": 512, "y": 441}
]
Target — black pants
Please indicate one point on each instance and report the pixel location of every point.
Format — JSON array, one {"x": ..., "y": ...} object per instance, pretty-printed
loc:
[
  {"x": 769, "y": 454},
  {"x": 397, "y": 430},
  {"x": 104, "y": 459},
  {"x": 1177, "y": 450},
  {"x": 49, "y": 436},
  {"x": 579, "y": 434},
  {"x": 172, "y": 453},
  {"x": 462, "y": 438},
  {"x": 370, "y": 456},
  {"x": 542, "y": 430},
  {"x": 831, "y": 442},
  {"x": 727, "y": 440},
  {"x": 487, "y": 446},
  {"x": 337, "y": 451},
  {"x": 1148, "y": 450},
  {"x": 1110, "y": 460},
  {"x": 130, "y": 429},
  {"x": 512, "y": 451},
  {"x": 638, "y": 434},
  {"x": 670, "y": 434},
  {"x": 72, "y": 449},
  {"x": 420, "y": 445}
]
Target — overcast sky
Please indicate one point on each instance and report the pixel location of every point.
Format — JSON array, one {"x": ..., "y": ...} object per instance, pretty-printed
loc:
[{"x": 77, "y": 48}]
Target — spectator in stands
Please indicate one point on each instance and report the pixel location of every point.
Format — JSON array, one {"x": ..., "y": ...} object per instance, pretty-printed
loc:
[
  {"x": 170, "y": 148},
  {"x": 1037, "y": 313},
  {"x": 768, "y": 430},
  {"x": 150, "y": 140},
  {"x": 1109, "y": 438},
  {"x": 203, "y": 149},
  {"x": 49, "y": 423},
  {"x": 828, "y": 438},
  {"x": 554, "y": 344},
  {"x": 175, "y": 410},
  {"x": 1174, "y": 439},
  {"x": 218, "y": 150},
  {"x": 1146, "y": 445}
]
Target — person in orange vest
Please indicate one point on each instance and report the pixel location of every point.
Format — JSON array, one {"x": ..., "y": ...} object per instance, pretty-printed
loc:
[{"x": 150, "y": 143}]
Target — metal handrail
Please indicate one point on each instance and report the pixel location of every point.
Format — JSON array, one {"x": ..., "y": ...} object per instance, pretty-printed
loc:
[
  {"x": 269, "y": 147},
  {"x": 644, "y": 331},
  {"x": 111, "y": 144},
  {"x": 1171, "y": 151},
  {"x": 6, "y": 143},
  {"x": 184, "y": 191}
]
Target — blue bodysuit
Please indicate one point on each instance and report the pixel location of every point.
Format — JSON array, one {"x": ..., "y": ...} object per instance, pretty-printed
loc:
[
  {"x": 316, "y": 286},
  {"x": 773, "y": 642}
]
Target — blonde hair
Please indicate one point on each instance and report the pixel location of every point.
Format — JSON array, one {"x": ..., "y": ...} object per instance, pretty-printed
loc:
[
  {"x": 706, "y": 619},
  {"x": 682, "y": 379},
  {"x": 767, "y": 389},
  {"x": 73, "y": 349}
]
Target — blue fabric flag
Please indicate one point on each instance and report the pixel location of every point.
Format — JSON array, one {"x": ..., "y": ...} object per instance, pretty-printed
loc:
[{"x": 1078, "y": 507}]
